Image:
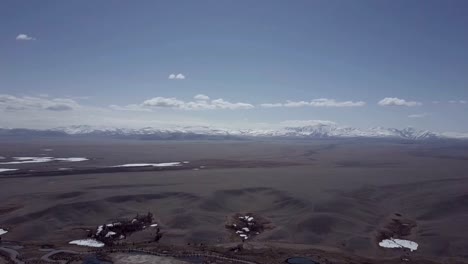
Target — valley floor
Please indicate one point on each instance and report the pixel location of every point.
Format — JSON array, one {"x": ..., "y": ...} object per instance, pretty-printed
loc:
[{"x": 330, "y": 200}]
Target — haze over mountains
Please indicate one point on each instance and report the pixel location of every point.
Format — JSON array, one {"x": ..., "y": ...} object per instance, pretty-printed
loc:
[{"x": 320, "y": 130}]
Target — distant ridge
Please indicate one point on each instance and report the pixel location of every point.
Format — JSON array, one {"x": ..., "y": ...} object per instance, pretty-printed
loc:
[{"x": 205, "y": 132}]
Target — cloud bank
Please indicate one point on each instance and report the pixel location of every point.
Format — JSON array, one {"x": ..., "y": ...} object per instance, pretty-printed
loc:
[
  {"x": 418, "y": 115},
  {"x": 201, "y": 102},
  {"x": 458, "y": 101},
  {"x": 24, "y": 37},
  {"x": 321, "y": 102},
  {"x": 201, "y": 97},
  {"x": 178, "y": 76},
  {"x": 394, "y": 101},
  {"x": 14, "y": 103},
  {"x": 302, "y": 123}
]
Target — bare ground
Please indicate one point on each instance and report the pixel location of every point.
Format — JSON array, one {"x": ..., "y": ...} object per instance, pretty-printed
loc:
[{"x": 335, "y": 196}]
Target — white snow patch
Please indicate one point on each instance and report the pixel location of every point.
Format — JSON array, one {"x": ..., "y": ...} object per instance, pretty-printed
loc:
[
  {"x": 71, "y": 159},
  {"x": 22, "y": 160},
  {"x": 186, "y": 162},
  {"x": 110, "y": 233},
  {"x": 99, "y": 229},
  {"x": 399, "y": 243},
  {"x": 3, "y": 231},
  {"x": 154, "y": 225},
  {"x": 3, "y": 170},
  {"x": 246, "y": 229},
  {"x": 47, "y": 149},
  {"x": 164, "y": 164},
  {"x": 87, "y": 243},
  {"x": 247, "y": 218}
]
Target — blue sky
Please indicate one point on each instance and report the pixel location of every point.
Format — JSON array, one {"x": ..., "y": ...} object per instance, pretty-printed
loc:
[{"x": 109, "y": 62}]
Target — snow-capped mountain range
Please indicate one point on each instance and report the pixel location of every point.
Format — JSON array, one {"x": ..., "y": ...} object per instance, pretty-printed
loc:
[{"x": 205, "y": 132}]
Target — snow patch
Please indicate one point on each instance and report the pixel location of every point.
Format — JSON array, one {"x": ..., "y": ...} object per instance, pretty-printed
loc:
[
  {"x": 71, "y": 159},
  {"x": 110, "y": 233},
  {"x": 99, "y": 229},
  {"x": 87, "y": 243},
  {"x": 164, "y": 164},
  {"x": 399, "y": 243},
  {"x": 22, "y": 160},
  {"x": 3, "y": 231},
  {"x": 247, "y": 218},
  {"x": 3, "y": 170}
]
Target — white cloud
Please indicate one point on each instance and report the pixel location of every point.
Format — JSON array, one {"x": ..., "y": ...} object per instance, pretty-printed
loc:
[
  {"x": 164, "y": 102},
  {"x": 301, "y": 123},
  {"x": 393, "y": 101},
  {"x": 295, "y": 104},
  {"x": 321, "y": 102},
  {"x": 80, "y": 97},
  {"x": 130, "y": 107},
  {"x": 271, "y": 105},
  {"x": 199, "y": 104},
  {"x": 14, "y": 103},
  {"x": 221, "y": 104},
  {"x": 178, "y": 76},
  {"x": 201, "y": 97},
  {"x": 458, "y": 102},
  {"x": 59, "y": 107},
  {"x": 24, "y": 37},
  {"x": 418, "y": 115}
]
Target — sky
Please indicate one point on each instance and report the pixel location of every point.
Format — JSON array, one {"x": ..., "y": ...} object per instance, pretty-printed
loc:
[{"x": 243, "y": 64}]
